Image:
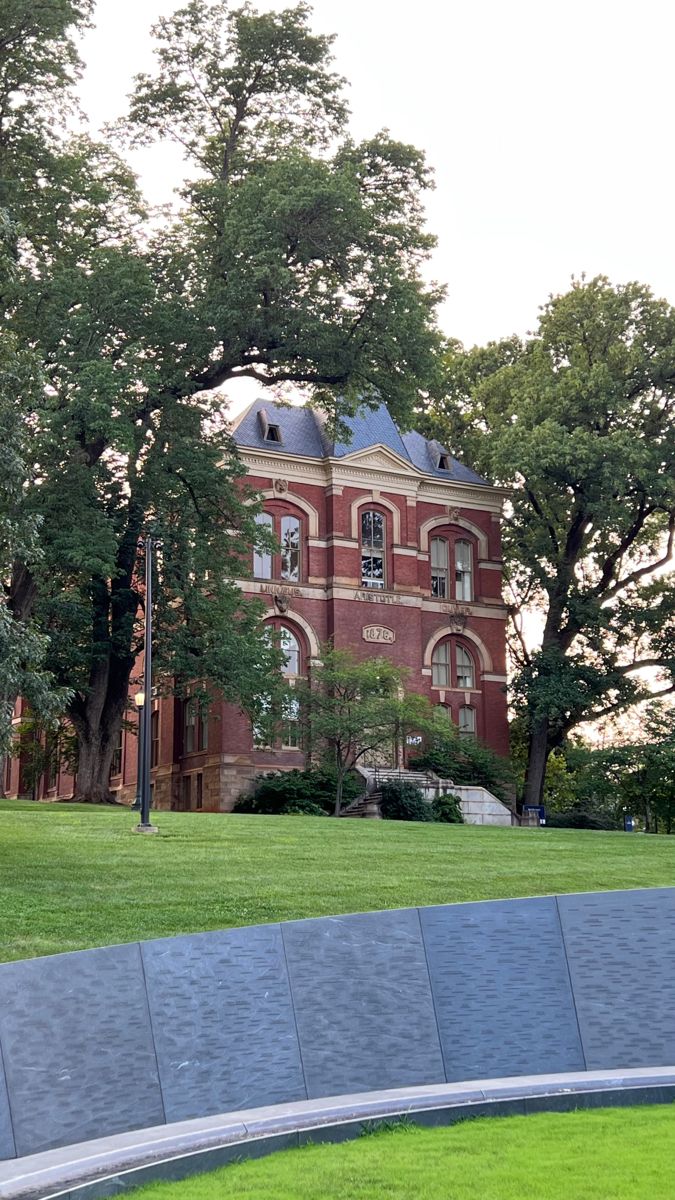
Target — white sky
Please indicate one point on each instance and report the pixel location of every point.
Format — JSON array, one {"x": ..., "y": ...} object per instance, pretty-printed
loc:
[{"x": 549, "y": 127}]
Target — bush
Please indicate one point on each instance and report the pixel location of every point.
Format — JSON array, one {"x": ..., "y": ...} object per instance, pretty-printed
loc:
[
  {"x": 311, "y": 792},
  {"x": 467, "y": 761},
  {"x": 404, "y": 802},
  {"x": 577, "y": 818},
  {"x": 447, "y": 808}
]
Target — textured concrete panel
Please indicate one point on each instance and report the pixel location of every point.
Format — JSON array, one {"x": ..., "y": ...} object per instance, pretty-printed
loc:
[
  {"x": 621, "y": 954},
  {"x": 362, "y": 1002},
  {"x": 223, "y": 1021},
  {"x": 501, "y": 988},
  {"x": 7, "y": 1148},
  {"x": 77, "y": 1047}
]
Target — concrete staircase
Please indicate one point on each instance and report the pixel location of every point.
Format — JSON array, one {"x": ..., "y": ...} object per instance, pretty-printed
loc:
[{"x": 478, "y": 805}]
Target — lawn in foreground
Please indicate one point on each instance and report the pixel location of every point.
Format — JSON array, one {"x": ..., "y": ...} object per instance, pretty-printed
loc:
[
  {"x": 73, "y": 877},
  {"x": 606, "y": 1154}
]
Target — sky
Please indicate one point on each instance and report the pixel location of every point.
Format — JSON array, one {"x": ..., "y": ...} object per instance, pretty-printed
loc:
[{"x": 548, "y": 125}]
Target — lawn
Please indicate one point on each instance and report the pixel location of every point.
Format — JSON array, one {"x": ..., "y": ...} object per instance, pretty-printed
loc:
[
  {"x": 622, "y": 1154},
  {"x": 73, "y": 877}
]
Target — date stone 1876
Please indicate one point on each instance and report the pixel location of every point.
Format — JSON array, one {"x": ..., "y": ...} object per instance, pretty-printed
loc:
[{"x": 378, "y": 633}]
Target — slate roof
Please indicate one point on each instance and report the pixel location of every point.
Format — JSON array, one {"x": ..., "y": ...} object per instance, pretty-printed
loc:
[{"x": 303, "y": 433}]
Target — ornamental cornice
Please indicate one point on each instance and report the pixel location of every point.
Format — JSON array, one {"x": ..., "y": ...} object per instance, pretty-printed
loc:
[{"x": 409, "y": 483}]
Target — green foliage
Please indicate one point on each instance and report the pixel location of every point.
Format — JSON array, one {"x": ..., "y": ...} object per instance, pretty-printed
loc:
[
  {"x": 311, "y": 791},
  {"x": 402, "y": 801},
  {"x": 447, "y": 808},
  {"x": 351, "y": 708},
  {"x": 464, "y": 760},
  {"x": 295, "y": 257},
  {"x": 578, "y": 421}
]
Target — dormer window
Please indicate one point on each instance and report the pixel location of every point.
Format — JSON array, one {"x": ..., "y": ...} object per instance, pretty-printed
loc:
[
  {"x": 444, "y": 462},
  {"x": 271, "y": 431}
]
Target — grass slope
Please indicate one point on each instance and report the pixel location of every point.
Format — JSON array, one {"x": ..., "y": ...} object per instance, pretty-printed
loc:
[
  {"x": 74, "y": 877},
  {"x": 625, "y": 1154}
]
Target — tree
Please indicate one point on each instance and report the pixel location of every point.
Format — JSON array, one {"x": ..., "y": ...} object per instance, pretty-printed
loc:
[
  {"x": 579, "y": 422},
  {"x": 350, "y": 708},
  {"x": 284, "y": 263}
]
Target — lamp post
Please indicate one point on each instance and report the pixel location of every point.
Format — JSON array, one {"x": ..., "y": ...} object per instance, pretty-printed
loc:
[
  {"x": 139, "y": 700},
  {"x": 145, "y": 710}
]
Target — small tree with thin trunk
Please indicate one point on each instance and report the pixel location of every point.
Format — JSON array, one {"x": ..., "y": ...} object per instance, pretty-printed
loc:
[{"x": 351, "y": 708}]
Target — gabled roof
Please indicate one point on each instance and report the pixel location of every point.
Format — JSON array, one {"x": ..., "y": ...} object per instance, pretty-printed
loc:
[{"x": 302, "y": 433}]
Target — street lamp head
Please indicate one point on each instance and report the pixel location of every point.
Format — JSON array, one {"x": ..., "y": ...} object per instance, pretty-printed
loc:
[{"x": 139, "y": 699}]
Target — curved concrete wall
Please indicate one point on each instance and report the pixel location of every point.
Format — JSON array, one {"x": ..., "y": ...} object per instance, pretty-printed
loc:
[{"x": 126, "y": 1037}]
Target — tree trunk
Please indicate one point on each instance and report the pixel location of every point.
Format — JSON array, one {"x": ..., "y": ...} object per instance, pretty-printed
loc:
[
  {"x": 339, "y": 785},
  {"x": 95, "y": 753},
  {"x": 537, "y": 756}
]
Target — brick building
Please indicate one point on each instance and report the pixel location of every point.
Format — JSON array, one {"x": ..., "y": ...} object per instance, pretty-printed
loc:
[{"x": 388, "y": 545}]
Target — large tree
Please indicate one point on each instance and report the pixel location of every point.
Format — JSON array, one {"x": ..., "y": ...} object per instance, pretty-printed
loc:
[
  {"x": 579, "y": 422},
  {"x": 293, "y": 256}
]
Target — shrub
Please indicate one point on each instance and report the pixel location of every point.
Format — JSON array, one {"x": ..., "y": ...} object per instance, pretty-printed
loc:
[
  {"x": 311, "y": 792},
  {"x": 577, "y": 818},
  {"x": 403, "y": 801},
  {"x": 467, "y": 761},
  {"x": 447, "y": 808}
]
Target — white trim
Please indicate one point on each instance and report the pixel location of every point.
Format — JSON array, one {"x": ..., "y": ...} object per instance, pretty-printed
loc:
[
  {"x": 292, "y": 616},
  {"x": 495, "y": 678},
  {"x": 440, "y": 634},
  {"x": 363, "y": 501},
  {"x": 432, "y": 523},
  {"x": 300, "y": 502},
  {"x": 489, "y": 566},
  {"x": 405, "y": 550}
]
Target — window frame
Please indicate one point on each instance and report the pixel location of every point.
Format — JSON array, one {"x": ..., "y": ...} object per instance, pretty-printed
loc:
[
  {"x": 117, "y": 760},
  {"x": 465, "y": 731},
  {"x": 439, "y": 572},
  {"x": 463, "y": 573},
  {"x": 281, "y": 722},
  {"x": 272, "y": 561},
  {"x": 445, "y": 655},
  {"x": 154, "y": 738},
  {"x": 372, "y": 552}
]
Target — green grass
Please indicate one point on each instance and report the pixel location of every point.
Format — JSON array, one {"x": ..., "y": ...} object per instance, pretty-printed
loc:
[
  {"x": 73, "y": 877},
  {"x": 606, "y": 1154}
]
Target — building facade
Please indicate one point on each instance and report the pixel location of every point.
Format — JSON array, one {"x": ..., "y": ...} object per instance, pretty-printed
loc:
[{"x": 387, "y": 545}]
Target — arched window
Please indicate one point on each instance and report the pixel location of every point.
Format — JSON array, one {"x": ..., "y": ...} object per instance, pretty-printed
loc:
[
  {"x": 286, "y": 562},
  {"x": 290, "y": 647},
  {"x": 452, "y": 666},
  {"x": 440, "y": 665},
  {"x": 465, "y": 668},
  {"x": 290, "y": 549},
  {"x": 467, "y": 721},
  {"x": 262, "y": 559},
  {"x": 463, "y": 571},
  {"x": 439, "y": 568},
  {"x": 281, "y": 727},
  {"x": 372, "y": 549}
]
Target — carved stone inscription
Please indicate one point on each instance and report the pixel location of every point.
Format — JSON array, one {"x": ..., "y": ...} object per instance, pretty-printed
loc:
[{"x": 378, "y": 633}]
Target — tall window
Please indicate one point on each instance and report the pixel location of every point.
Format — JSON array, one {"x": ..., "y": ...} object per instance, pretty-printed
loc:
[
  {"x": 452, "y": 666},
  {"x": 195, "y": 726},
  {"x": 262, "y": 559},
  {"x": 465, "y": 672},
  {"x": 154, "y": 738},
  {"x": 463, "y": 571},
  {"x": 440, "y": 665},
  {"x": 187, "y": 793},
  {"x": 116, "y": 764},
  {"x": 274, "y": 727},
  {"x": 439, "y": 568},
  {"x": 372, "y": 549},
  {"x": 290, "y": 549},
  {"x": 467, "y": 721},
  {"x": 199, "y": 798},
  {"x": 285, "y": 563}
]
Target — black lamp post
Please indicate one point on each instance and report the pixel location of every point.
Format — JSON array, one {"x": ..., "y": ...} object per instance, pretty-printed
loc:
[
  {"x": 145, "y": 710},
  {"x": 139, "y": 700}
]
